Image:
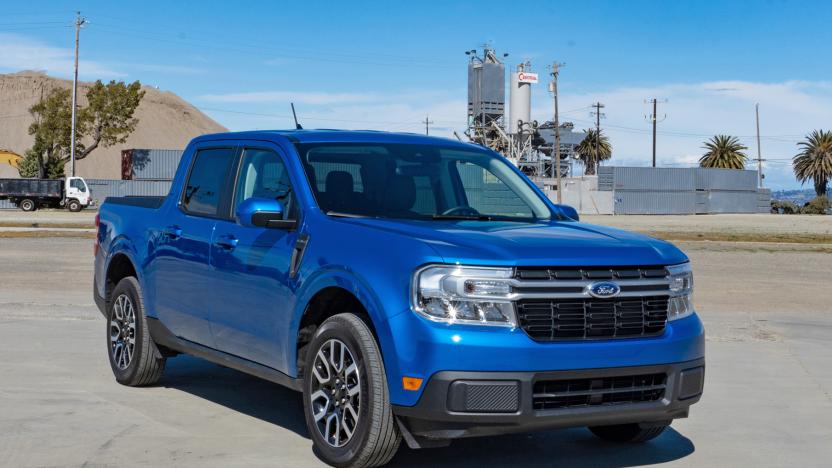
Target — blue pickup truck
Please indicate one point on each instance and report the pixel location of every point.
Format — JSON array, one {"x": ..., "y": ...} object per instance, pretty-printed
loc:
[{"x": 413, "y": 288}]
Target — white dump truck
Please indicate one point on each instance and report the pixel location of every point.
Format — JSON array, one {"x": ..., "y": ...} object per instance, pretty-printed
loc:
[{"x": 31, "y": 194}]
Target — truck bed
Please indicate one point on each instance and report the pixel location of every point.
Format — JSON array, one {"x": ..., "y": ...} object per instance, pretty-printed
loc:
[{"x": 52, "y": 188}]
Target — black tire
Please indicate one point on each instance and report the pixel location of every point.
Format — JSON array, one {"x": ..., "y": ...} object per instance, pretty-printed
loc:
[
  {"x": 74, "y": 206},
  {"x": 375, "y": 437},
  {"x": 145, "y": 364},
  {"x": 628, "y": 433},
  {"x": 27, "y": 204}
]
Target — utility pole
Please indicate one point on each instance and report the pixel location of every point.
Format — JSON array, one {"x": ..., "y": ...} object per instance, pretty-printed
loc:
[
  {"x": 654, "y": 119},
  {"x": 427, "y": 122},
  {"x": 79, "y": 21},
  {"x": 759, "y": 156},
  {"x": 598, "y": 106},
  {"x": 554, "y": 88}
]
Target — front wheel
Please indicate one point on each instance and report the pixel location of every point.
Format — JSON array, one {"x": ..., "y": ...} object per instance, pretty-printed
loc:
[
  {"x": 631, "y": 433},
  {"x": 345, "y": 399},
  {"x": 74, "y": 206}
]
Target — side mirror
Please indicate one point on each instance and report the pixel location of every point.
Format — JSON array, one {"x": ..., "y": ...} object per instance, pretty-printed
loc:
[
  {"x": 262, "y": 212},
  {"x": 569, "y": 212}
]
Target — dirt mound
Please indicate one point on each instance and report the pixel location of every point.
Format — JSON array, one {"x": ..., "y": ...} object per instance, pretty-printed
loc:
[{"x": 165, "y": 121}]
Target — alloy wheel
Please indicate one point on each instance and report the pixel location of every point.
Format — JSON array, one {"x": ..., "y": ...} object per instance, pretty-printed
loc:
[
  {"x": 336, "y": 393},
  {"x": 123, "y": 331}
]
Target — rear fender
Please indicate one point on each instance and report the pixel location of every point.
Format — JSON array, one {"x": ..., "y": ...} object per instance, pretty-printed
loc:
[{"x": 120, "y": 246}]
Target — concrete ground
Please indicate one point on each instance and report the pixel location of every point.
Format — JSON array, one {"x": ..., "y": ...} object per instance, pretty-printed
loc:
[{"x": 767, "y": 309}]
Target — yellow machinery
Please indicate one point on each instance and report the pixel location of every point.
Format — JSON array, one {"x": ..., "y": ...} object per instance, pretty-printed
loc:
[{"x": 10, "y": 158}]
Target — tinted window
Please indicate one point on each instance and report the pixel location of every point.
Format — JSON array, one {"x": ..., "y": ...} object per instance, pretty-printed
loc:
[
  {"x": 207, "y": 181},
  {"x": 418, "y": 182},
  {"x": 263, "y": 175}
]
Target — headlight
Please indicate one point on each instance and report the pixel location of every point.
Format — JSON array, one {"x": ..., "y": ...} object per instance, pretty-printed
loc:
[
  {"x": 469, "y": 295},
  {"x": 681, "y": 291}
]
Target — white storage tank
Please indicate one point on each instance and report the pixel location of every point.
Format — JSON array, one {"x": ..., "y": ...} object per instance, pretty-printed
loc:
[{"x": 520, "y": 97}]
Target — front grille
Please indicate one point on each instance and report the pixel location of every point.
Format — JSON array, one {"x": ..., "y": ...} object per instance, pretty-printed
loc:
[
  {"x": 590, "y": 318},
  {"x": 572, "y": 393},
  {"x": 589, "y": 273},
  {"x": 554, "y": 303}
]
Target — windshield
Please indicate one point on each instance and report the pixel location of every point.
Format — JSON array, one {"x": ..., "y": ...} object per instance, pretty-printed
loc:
[{"x": 418, "y": 182}]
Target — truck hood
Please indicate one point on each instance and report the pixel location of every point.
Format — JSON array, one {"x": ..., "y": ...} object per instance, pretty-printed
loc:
[{"x": 555, "y": 243}]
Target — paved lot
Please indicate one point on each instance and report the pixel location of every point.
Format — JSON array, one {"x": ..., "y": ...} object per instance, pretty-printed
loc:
[{"x": 768, "y": 400}]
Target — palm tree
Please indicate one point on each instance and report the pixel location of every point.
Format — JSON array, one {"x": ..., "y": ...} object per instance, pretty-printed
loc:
[
  {"x": 724, "y": 152},
  {"x": 594, "y": 148},
  {"x": 815, "y": 160}
]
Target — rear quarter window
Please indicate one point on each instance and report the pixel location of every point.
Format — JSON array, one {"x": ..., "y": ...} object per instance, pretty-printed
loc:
[{"x": 207, "y": 181}]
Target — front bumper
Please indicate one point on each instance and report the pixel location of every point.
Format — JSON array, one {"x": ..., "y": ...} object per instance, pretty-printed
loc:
[{"x": 468, "y": 404}]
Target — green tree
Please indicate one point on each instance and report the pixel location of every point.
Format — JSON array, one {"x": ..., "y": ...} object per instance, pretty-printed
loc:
[
  {"x": 594, "y": 148},
  {"x": 34, "y": 165},
  {"x": 52, "y": 127},
  {"x": 815, "y": 160},
  {"x": 108, "y": 118},
  {"x": 105, "y": 121},
  {"x": 724, "y": 152}
]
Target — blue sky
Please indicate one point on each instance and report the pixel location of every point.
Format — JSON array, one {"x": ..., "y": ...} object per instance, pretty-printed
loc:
[{"x": 385, "y": 65}]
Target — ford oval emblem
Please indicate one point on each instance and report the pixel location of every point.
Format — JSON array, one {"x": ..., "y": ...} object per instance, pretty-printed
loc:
[{"x": 603, "y": 290}]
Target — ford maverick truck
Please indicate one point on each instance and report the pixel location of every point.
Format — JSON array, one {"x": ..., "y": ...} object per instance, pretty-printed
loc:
[{"x": 413, "y": 288}]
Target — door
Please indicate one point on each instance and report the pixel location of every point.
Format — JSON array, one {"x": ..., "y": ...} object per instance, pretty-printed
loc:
[
  {"x": 77, "y": 189},
  {"x": 179, "y": 273},
  {"x": 251, "y": 298}
]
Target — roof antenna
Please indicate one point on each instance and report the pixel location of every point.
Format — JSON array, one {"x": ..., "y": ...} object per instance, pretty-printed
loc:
[{"x": 297, "y": 125}]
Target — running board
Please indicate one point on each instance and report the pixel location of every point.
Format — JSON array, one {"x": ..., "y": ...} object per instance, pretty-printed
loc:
[{"x": 164, "y": 337}]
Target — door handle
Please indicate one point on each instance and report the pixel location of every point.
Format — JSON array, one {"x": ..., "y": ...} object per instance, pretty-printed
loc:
[
  {"x": 173, "y": 232},
  {"x": 227, "y": 242}
]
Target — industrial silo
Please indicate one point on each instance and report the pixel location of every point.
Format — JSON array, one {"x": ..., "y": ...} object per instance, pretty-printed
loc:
[{"x": 520, "y": 97}]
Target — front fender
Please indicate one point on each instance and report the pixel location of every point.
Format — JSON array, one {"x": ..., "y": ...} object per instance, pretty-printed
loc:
[{"x": 350, "y": 281}]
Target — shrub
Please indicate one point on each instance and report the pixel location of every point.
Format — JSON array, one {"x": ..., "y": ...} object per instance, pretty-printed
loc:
[
  {"x": 818, "y": 205},
  {"x": 784, "y": 207}
]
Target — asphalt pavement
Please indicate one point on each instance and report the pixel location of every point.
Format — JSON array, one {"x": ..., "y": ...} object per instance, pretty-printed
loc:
[{"x": 767, "y": 401}]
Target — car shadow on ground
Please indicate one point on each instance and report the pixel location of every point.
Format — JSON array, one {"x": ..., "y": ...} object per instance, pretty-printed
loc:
[
  {"x": 283, "y": 407},
  {"x": 237, "y": 391},
  {"x": 563, "y": 447}
]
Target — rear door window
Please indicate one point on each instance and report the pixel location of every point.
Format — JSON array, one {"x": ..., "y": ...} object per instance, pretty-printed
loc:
[{"x": 205, "y": 191}]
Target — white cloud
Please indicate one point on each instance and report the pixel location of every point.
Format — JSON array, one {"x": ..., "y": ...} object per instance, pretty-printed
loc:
[
  {"x": 20, "y": 53},
  {"x": 289, "y": 96}
]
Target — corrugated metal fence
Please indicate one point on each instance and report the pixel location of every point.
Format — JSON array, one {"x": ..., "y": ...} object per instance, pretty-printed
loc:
[
  {"x": 661, "y": 190},
  {"x": 149, "y": 164},
  {"x": 103, "y": 188}
]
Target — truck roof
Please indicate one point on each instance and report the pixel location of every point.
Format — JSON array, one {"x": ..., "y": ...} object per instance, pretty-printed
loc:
[{"x": 336, "y": 136}]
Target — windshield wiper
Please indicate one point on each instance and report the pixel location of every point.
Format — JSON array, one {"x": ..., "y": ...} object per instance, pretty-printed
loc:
[
  {"x": 463, "y": 217},
  {"x": 338, "y": 214}
]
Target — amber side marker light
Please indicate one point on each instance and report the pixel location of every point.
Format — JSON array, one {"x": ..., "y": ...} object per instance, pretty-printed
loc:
[{"x": 411, "y": 383}]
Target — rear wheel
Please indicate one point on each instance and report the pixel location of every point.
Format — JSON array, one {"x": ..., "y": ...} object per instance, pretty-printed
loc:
[
  {"x": 74, "y": 206},
  {"x": 27, "y": 204},
  {"x": 346, "y": 401},
  {"x": 632, "y": 433},
  {"x": 134, "y": 357}
]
